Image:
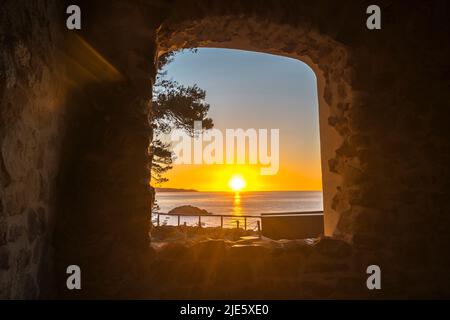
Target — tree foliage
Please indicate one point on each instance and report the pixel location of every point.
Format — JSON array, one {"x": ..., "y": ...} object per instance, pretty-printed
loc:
[{"x": 174, "y": 106}]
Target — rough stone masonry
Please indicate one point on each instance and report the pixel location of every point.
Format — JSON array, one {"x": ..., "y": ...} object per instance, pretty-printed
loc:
[{"x": 74, "y": 135}]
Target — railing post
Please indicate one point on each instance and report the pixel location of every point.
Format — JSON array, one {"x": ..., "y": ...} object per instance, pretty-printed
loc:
[
  {"x": 259, "y": 228},
  {"x": 237, "y": 223},
  {"x": 221, "y": 221},
  {"x": 199, "y": 221},
  {"x": 245, "y": 223},
  {"x": 157, "y": 220},
  {"x": 178, "y": 220}
]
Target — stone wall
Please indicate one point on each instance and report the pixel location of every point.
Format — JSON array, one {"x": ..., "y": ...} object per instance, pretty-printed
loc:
[
  {"x": 103, "y": 199},
  {"x": 327, "y": 58},
  {"x": 384, "y": 128},
  {"x": 385, "y": 104},
  {"x": 32, "y": 92},
  {"x": 297, "y": 269}
]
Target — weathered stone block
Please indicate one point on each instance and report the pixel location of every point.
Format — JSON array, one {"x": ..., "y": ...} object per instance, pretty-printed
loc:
[
  {"x": 359, "y": 141},
  {"x": 316, "y": 288},
  {"x": 333, "y": 248},
  {"x": 318, "y": 263},
  {"x": 15, "y": 232},
  {"x": 32, "y": 224},
  {"x": 209, "y": 249},
  {"x": 5, "y": 178},
  {"x": 301, "y": 247},
  {"x": 3, "y": 231},
  {"x": 23, "y": 259},
  {"x": 30, "y": 290},
  {"x": 4, "y": 258},
  {"x": 250, "y": 252},
  {"x": 173, "y": 251}
]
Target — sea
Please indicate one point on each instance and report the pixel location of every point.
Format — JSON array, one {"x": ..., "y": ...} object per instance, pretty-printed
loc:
[{"x": 236, "y": 204}]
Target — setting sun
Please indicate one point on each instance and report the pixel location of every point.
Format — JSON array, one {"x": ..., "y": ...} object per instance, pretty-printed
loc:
[{"x": 237, "y": 183}]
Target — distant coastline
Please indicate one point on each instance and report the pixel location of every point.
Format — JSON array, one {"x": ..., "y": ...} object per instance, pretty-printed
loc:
[
  {"x": 174, "y": 190},
  {"x": 248, "y": 203},
  {"x": 227, "y": 191}
]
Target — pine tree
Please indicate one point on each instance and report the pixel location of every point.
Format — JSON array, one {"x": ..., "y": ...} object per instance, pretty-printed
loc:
[{"x": 174, "y": 106}]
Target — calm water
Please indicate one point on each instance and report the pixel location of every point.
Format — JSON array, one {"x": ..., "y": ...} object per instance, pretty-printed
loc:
[{"x": 244, "y": 203}]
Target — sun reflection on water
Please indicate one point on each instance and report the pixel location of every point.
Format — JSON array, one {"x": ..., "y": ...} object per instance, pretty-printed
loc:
[{"x": 237, "y": 209}]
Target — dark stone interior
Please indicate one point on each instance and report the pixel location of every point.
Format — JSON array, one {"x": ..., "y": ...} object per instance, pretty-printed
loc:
[{"x": 74, "y": 135}]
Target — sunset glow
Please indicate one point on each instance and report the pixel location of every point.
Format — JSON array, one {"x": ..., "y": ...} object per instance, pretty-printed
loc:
[
  {"x": 237, "y": 183},
  {"x": 245, "y": 104}
]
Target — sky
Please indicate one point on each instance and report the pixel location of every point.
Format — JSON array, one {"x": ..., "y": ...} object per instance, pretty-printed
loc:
[{"x": 254, "y": 90}]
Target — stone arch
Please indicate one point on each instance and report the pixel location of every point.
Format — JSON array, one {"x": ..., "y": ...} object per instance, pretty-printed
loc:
[
  {"x": 386, "y": 97},
  {"x": 328, "y": 59}
]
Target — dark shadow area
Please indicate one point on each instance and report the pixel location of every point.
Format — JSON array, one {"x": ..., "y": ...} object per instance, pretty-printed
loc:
[{"x": 103, "y": 201}]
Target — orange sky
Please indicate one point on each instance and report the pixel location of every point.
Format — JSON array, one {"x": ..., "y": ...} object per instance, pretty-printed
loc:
[
  {"x": 216, "y": 178},
  {"x": 252, "y": 90}
]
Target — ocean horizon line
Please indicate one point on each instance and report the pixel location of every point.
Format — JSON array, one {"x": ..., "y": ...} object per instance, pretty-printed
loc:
[{"x": 231, "y": 191}]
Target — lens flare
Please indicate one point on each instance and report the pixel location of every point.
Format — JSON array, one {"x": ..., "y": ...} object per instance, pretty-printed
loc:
[{"x": 237, "y": 183}]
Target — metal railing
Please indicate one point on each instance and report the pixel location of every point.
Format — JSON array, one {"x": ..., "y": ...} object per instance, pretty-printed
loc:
[
  {"x": 238, "y": 218},
  {"x": 221, "y": 216}
]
